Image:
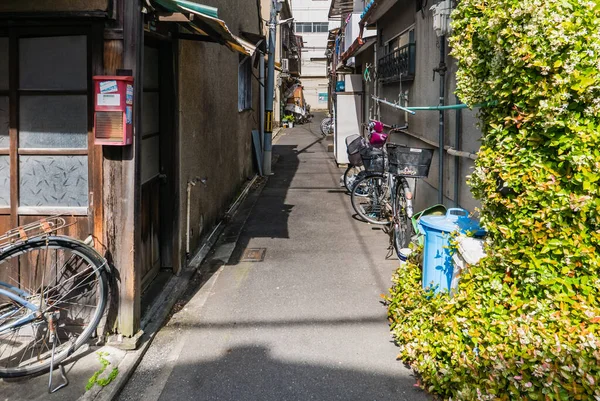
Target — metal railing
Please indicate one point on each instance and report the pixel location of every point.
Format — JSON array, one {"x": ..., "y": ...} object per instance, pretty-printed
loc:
[{"x": 398, "y": 65}]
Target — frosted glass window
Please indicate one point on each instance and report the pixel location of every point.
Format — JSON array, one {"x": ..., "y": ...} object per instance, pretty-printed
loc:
[
  {"x": 150, "y": 68},
  {"x": 53, "y": 181},
  {"x": 4, "y": 122},
  {"x": 53, "y": 121},
  {"x": 150, "y": 158},
  {"x": 3, "y": 63},
  {"x": 4, "y": 180},
  {"x": 150, "y": 113},
  {"x": 58, "y": 62}
]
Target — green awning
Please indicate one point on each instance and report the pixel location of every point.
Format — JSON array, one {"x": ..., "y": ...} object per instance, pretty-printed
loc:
[
  {"x": 203, "y": 20},
  {"x": 172, "y": 5}
]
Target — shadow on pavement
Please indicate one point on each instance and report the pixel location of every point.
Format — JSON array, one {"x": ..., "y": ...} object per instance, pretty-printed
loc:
[{"x": 251, "y": 372}]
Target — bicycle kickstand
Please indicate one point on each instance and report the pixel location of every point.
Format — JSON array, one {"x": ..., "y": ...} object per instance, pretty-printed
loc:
[{"x": 53, "y": 340}]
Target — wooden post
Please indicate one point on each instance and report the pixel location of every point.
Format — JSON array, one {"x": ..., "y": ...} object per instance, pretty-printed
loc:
[
  {"x": 122, "y": 175},
  {"x": 129, "y": 221}
]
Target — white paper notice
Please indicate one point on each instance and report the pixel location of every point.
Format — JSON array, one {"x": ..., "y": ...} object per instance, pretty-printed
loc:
[{"x": 108, "y": 100}]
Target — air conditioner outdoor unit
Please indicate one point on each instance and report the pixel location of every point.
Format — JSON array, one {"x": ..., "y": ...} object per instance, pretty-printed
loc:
[{"x": 285, "y": 64}]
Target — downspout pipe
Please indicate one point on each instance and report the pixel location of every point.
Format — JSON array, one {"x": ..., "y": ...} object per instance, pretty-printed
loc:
[
  {"x": 261, "y": 90},
  {"x": 268, "y": 136},
  {"x": 457, "y": 145},
  {"x": 441, "y": 70}
]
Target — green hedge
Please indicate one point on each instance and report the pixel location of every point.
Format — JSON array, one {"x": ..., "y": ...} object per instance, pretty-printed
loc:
[{"x": 525, "y": 322}]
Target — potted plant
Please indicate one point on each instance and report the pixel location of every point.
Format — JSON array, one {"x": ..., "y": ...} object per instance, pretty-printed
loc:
[{"x": 288, "y": 120}]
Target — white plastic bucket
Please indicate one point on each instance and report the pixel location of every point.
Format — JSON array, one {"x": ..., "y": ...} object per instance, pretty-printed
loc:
[{"x": 403, "y": 255}]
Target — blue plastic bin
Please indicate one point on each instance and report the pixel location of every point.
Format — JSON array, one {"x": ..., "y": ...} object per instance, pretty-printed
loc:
[{"x": 438, "y": 267}]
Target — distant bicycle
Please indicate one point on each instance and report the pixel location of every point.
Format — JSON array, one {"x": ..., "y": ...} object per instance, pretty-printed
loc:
[{"x": 327, "y": 126}]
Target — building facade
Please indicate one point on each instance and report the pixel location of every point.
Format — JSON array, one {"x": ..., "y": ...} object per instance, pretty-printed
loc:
[
  {"x": 404, "y": 62},
  {"x": 312, "y": 23},
  {"x": 194, "y": 104}
]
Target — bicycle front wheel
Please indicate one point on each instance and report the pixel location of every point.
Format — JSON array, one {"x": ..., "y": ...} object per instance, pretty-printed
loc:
[
  {"x": 402, "y": 227},
  {"x": 370, "y": 199},
  {"x": 57, "y": 298}
]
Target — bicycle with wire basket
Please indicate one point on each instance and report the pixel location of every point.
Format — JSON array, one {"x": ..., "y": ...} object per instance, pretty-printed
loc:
[
  {"x": 382, "y": 196},
  {"x": 53, "y": 292}
]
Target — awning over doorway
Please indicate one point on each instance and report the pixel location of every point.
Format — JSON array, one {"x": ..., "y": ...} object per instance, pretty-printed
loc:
[
  {"x": 357, "y": 47},
  {"x": 203, "y": 20}
]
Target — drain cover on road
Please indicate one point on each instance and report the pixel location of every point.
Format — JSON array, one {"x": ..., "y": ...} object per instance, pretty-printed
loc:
[{"x": 254, "y": 255}]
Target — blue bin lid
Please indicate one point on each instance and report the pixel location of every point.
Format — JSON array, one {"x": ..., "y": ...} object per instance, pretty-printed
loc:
[{"x": 456, "y": 219}]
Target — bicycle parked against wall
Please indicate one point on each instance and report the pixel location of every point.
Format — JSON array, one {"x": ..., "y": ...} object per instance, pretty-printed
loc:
[
  {"x": 383, "y": 196},
  {"x": 53, "y": 292},
  {"x": 327, "y": 126},
  {"x": 355, "y": 145}
]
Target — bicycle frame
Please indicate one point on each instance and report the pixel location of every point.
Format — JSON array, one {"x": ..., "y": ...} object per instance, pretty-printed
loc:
[{"x": 25, "y": 319}]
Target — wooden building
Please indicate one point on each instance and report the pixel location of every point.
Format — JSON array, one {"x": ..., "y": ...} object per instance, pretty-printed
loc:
[{"x": 195, "y": 103}]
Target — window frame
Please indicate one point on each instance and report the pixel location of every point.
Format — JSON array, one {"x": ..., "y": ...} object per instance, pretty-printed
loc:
[
  {"x": 15, "y": 93},
  {"x": 245, "y": 76},
  {"x": 313, "y": 27}
]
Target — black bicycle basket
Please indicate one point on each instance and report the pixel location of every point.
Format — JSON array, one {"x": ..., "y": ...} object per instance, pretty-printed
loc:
[
  {"x": 373, "y": 159},
  {"x": 354, "y": 144},
  {"x": 408, "y": 162}
]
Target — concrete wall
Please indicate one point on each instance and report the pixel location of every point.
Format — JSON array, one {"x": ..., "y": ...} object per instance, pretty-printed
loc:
[
  {"x": 52, "y": 5},
  {"x": 423, "y": 91},
  {"x": 215, "y": 138},
  {"x": 312, "y": 88}
]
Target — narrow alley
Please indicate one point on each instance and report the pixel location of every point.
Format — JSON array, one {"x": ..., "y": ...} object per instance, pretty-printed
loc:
[{"x": 306, "y": 323}]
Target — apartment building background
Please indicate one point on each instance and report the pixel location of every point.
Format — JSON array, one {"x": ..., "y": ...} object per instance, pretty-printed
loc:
[{"x": 312, "y": 23}]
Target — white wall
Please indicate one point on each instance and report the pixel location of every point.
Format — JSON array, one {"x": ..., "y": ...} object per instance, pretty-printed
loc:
[
  {"x": 314, "y": 64},
  {"x": 314, "y": 43}
]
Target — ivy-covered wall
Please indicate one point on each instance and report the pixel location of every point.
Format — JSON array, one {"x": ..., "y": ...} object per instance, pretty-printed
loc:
[{"x": 525, "y": 322}]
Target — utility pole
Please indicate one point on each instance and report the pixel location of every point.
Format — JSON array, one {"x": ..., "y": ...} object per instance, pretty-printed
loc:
[{"x": 269, "y": 90}]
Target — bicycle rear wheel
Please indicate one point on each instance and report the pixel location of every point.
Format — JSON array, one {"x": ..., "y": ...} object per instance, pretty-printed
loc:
[
  {"x": 65, "y": 285},
  {"x": 352, "y": 175},
  {"x": 402, "y": 227},
  {"x": 370, "y": 199}
]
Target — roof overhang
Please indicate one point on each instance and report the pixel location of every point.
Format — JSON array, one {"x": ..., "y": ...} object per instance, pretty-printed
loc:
[
  {"x": 203, "y": 21},
  {"x": 368, "y": 42},
  {"x": 339, "y": 8},
  {"x": 377, "y": 10}
]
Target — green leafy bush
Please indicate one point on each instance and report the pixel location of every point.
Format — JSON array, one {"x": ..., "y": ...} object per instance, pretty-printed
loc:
[{"x": 525, "y": 322}]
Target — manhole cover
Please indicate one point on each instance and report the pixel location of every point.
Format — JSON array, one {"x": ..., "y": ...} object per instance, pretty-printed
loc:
[{"x": 254, "y": 255}]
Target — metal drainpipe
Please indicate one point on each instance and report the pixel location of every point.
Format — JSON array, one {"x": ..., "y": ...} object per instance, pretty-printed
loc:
[
  {"x": 191, "y": 183},
  {"x": 261, "y": 90},
  {"x": 376, "y": 79},
  {"x": 441, "y": 70},
  {"x": 269, "y": 91},
  {"x": 457, "y": 145}
]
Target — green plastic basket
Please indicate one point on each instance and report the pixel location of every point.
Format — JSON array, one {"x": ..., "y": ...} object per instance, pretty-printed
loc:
[{"x": 436, "y": 210}]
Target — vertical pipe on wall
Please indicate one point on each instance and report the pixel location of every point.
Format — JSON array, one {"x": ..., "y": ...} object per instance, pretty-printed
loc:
[
  {"x": 441, "y": 69},
  {"x": 457, "y": 145},
  {"x": 269, "y": 90},
  {"x": 375, "y": 79},
  {"x": 261, "y": 90}
]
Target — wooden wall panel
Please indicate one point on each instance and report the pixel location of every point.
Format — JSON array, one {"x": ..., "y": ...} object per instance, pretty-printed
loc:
[
  {"x": 150, "y": 231},
  {"x": 37, "y": 265},
  {"x": 8, "y": 272}
]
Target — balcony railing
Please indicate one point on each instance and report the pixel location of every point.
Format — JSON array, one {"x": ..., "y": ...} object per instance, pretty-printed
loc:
[{"x": 398, "y": 65}]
